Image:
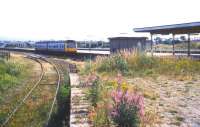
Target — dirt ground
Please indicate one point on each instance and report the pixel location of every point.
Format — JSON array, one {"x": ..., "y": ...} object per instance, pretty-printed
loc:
[{"x": 176, "y": 101}]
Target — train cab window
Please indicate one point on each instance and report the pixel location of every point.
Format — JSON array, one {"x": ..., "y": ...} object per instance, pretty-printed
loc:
[{"x": 71, "y": 44}]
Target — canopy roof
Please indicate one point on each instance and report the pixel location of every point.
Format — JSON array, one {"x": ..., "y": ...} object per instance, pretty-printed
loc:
[
  {"x": 184, "y": 28},
  {"x": 126, "y": 38}
]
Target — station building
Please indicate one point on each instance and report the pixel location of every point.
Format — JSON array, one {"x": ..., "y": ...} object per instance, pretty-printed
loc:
[{"x": 127, "y": 43}]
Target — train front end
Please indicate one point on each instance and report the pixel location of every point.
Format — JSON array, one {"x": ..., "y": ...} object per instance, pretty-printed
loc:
[{"x": 70, "y": 46}]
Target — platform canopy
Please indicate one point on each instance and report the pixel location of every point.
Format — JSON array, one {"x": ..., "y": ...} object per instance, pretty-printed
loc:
[{"x": 184, "y": 28}]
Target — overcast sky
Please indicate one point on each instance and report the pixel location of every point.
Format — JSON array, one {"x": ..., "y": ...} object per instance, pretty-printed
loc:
[{"x": 95, "y": 19}]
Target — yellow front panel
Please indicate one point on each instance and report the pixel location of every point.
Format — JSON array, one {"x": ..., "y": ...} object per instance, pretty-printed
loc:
[{"x": 73, "y": 50}]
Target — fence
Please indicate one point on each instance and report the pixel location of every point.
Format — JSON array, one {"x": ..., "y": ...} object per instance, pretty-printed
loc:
[{"x": 5, "y": 55}]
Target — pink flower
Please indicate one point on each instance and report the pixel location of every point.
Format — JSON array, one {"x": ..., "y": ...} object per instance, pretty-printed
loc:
[
  {"x": 128, "y": 98},
  {"x": 117, "y": 96}
]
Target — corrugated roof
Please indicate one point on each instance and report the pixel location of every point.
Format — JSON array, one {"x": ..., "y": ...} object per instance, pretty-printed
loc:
[{"x": 193, "y": 27}]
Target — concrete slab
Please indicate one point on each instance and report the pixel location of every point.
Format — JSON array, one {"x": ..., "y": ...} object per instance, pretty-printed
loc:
[{"x": 79, "y": 105}]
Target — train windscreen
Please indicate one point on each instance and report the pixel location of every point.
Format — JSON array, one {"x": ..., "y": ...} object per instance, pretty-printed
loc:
[{"x": 71, "y": 44}]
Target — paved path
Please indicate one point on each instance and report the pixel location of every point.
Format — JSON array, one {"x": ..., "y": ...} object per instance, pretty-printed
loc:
[{"x": 79, "y": 104}]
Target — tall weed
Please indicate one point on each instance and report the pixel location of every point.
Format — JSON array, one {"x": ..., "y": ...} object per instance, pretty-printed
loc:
[
  {"x": 134, "y": 63},
  {"x": 112, "y": 63},
  {"x": 9, "y": 74},
  {"x": 94, "y": 92}
]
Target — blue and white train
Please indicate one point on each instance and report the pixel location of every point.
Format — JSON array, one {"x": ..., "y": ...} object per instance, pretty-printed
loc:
[{"x": 68, "y": 46}]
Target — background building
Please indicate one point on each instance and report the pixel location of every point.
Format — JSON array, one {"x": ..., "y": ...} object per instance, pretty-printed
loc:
[{"x": 129, "y": 43}]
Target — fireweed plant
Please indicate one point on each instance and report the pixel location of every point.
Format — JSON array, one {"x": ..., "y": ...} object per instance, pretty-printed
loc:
[
  {"x": 114, "y": 101},
  {"x": 116, "y": 104},
  {"x": 128, "y": 106}
]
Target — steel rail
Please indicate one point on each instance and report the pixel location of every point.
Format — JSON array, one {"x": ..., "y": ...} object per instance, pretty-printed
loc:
[
  {"x": 57, "y": 89},
  {"x": 27, "y": 95},
  {"x": 33, "y": 88}
]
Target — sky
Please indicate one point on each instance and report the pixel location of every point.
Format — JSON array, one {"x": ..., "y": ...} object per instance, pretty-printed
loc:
[{"x": 89, "y": 19}]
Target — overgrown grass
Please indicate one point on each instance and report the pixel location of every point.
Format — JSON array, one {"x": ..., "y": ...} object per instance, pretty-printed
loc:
[
  {"x": 130, "y": 65},
  {"x": 94, "y": 93},
  {"x": 136, "y": 64},
  {"x": 13, "y": 74},
  {"x": 10, "y": 74},
  {"x": 17, "y": 71}
]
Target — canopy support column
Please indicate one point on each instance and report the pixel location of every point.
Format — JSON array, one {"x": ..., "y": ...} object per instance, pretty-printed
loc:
[
  {"x": 188, "y": 44},
  {"x": 151, "y": 44},
  {"x": 173, "y": 35}
]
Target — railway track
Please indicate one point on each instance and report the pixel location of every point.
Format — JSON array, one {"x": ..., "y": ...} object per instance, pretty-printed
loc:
[
  {"x": 11, "y": 114},
  {"x": 33, "y": 97},
  {"x": 57, "y": 89},
  {"x": 64, "y": 69}
]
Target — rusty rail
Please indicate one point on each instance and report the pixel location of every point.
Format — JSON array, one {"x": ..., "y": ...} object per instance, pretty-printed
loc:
[{"x": 26, "y": 96}]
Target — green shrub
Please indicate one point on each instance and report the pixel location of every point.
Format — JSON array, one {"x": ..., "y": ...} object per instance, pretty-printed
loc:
[
  {"x": 11, "y": 75},
  {"x": 146, "y": 62},
  {"x": 140, "y": 64},
  {"x": 106, "y": 65},
  {"x": 113, "y": 63},
  {"x": 7, "y": 81},
  {"x": 120, "y": 63},
  {"x": 64, "y": 92},
  {"x": 13, "y": 69}
]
